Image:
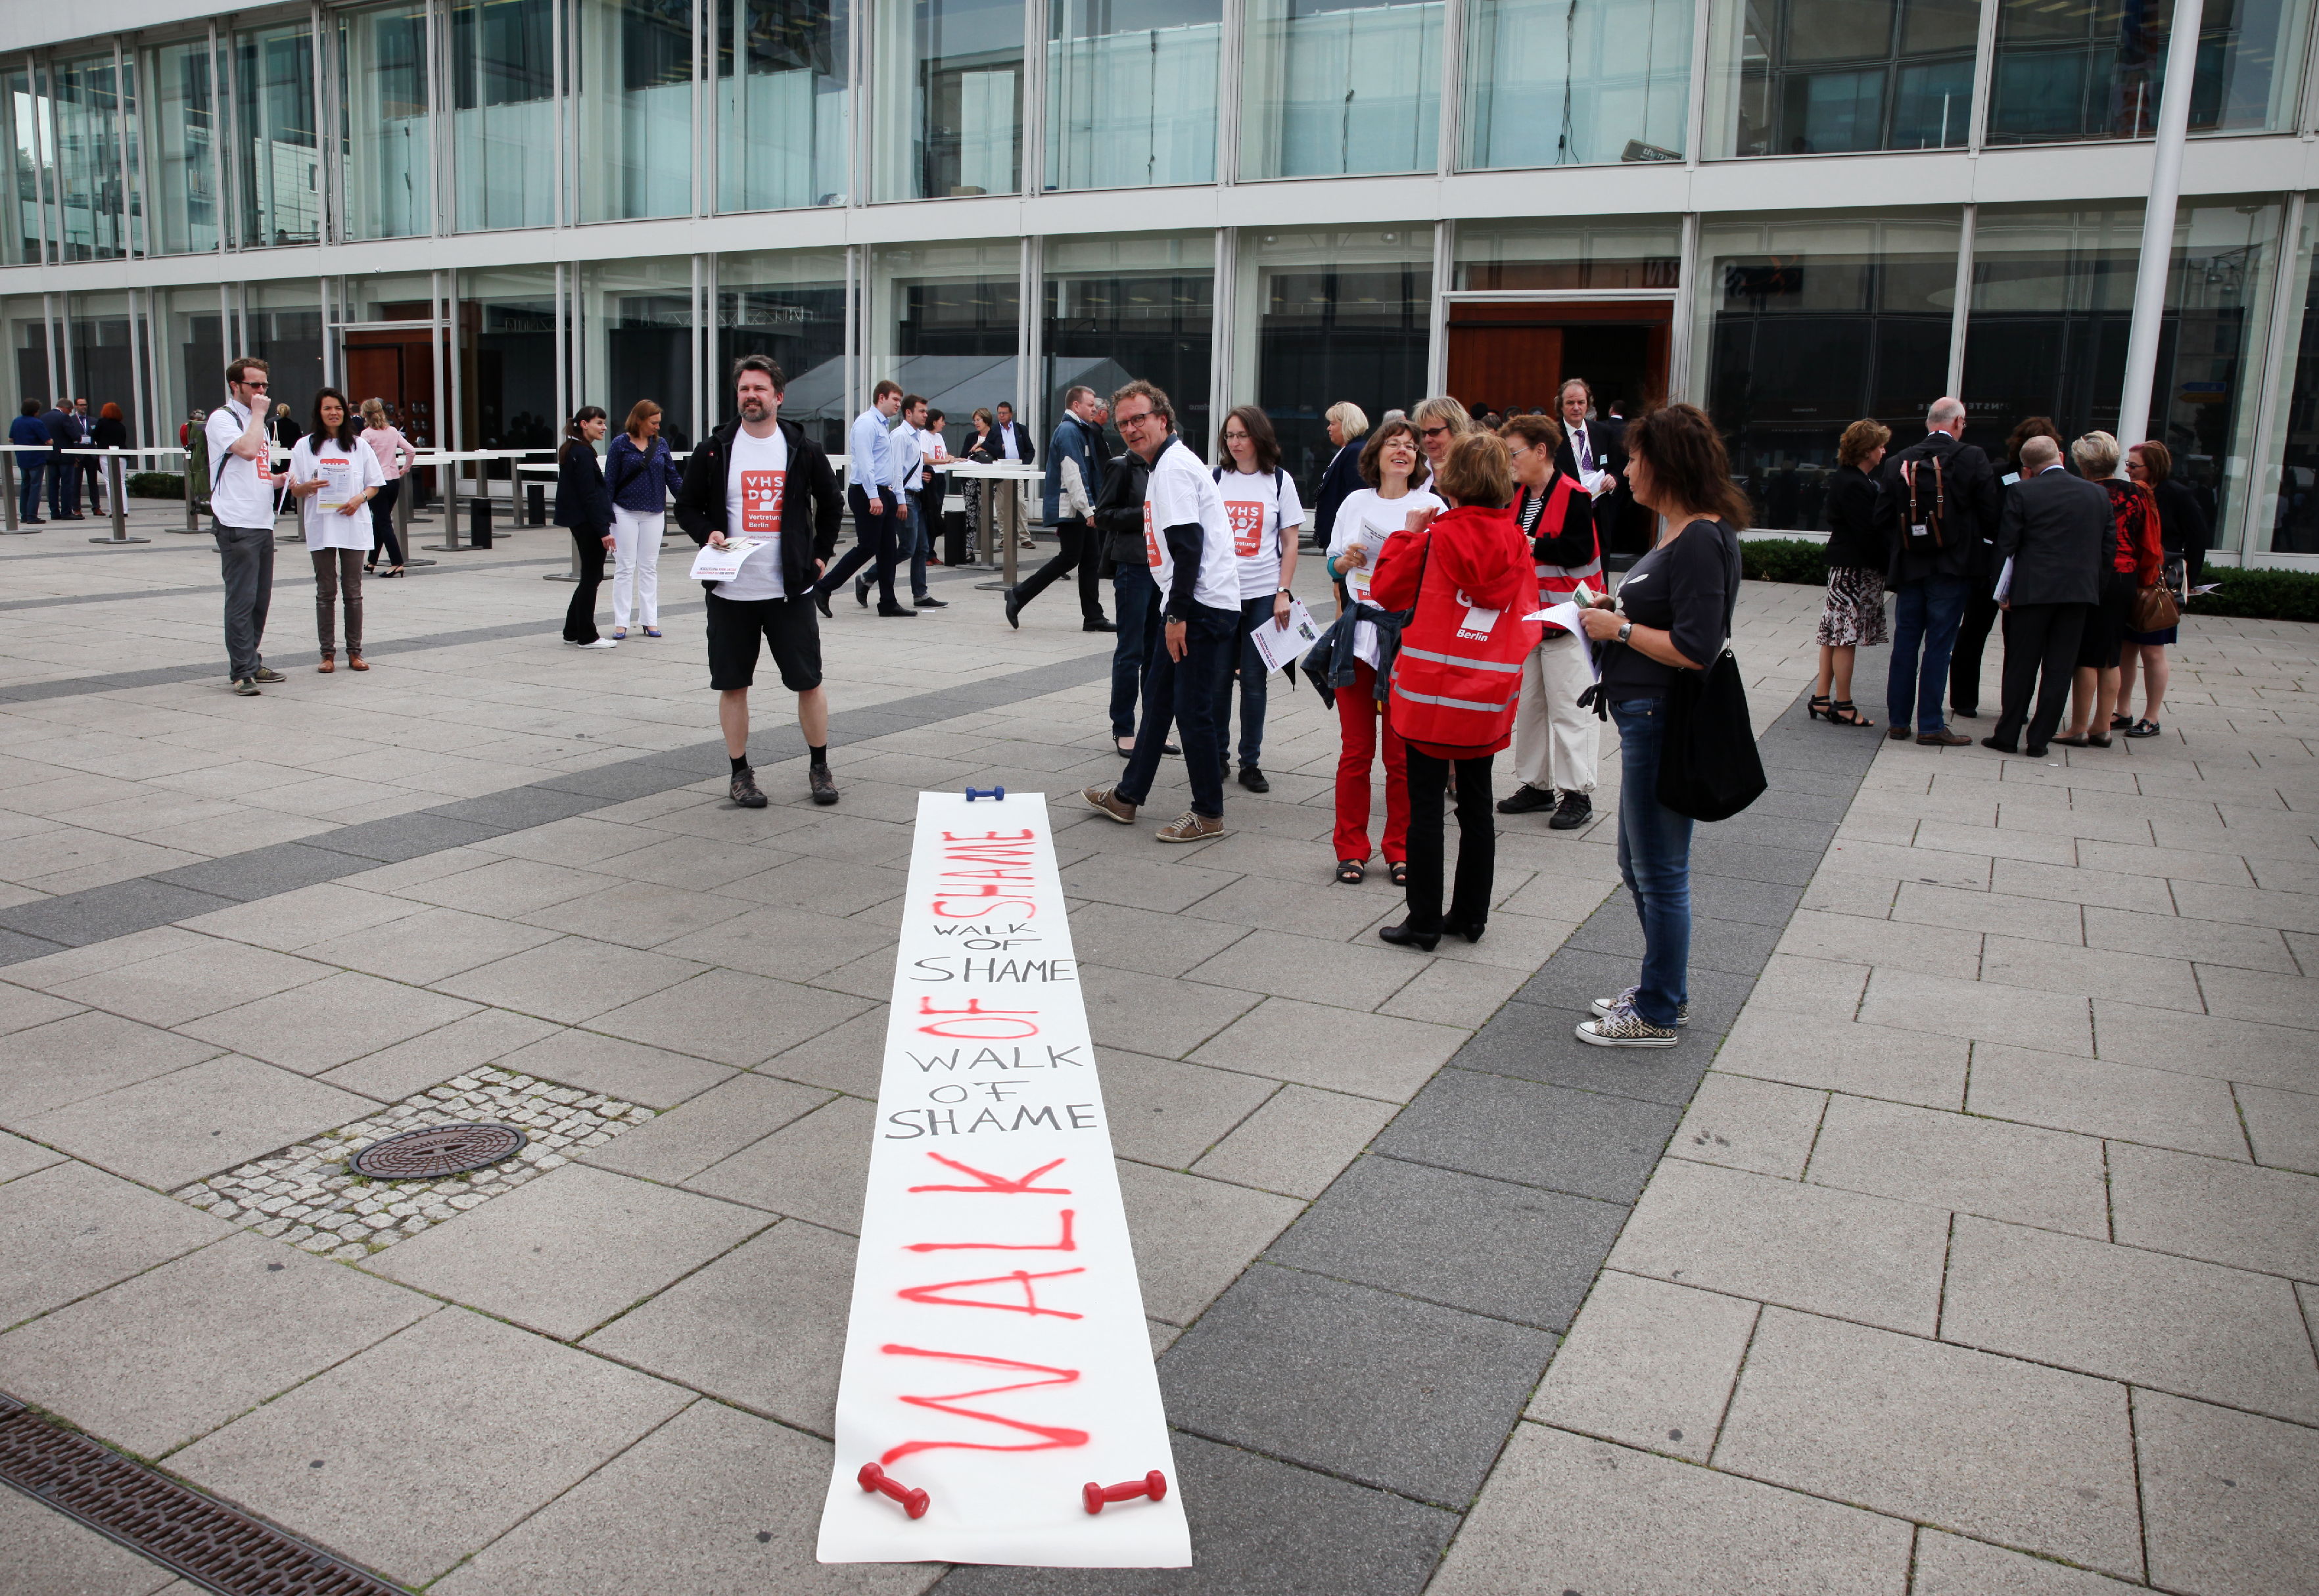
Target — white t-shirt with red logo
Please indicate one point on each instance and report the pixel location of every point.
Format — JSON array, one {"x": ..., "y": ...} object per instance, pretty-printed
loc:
[
  {"x": 756, "y": 479},
  {"x": 243, "y": 493},
  {"x": 1264, "y": 510},
  {"x": 345, "y": 472},
  {"x": 1178, "y": 492}
]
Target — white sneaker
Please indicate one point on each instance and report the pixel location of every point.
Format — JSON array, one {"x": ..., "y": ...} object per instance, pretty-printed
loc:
[
  {"x": 1625, "y": 999},
  {"x": 599, "y": 643},
  {"x": 1622, "y": 1027}
]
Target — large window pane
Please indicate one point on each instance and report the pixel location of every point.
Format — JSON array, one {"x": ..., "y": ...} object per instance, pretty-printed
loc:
[
  {"x": 2293, "y": 469},
  {"x": 634, "y": 104},
  {"x": 94, "y": 222},
  {"x": 32, "y": 146},
  {"x": 1131, "y": 97},
  {"x": 1338, "y": 314},
  {"x": 26, "y": 329},
  {"x": 792, "y": 306},
  {"x": 395, "y": 366},
  {"x": 383, "y": 92},
  {"x": 636, "y": 323},
  {"x": 101, "y": 371},
  {"x": 943, "y": 322},
  {"x": 190, "y": 326},
  {"x": 1819, "y": 77},
  {"x": 948, "y": 80},
  {"x": 280, "y": 161},
  {"x": 1332, "y": 87},
  {"x": 181, "y": 131},
  {"x": 782, "y": 104},
  {"x": 1597, "y": 253},
  {"x": 503, "y": 127},
  {"x": 507, "y": 362},
  {"x": 1143, "y": 306},
  {"x": 1810, "y": 324},
  {"x": 1560, "y": 82},
  {"x": 2095, "y": 70},
  {"x": 285, "y": 331},
  {"x": 2052, "y": 307}
]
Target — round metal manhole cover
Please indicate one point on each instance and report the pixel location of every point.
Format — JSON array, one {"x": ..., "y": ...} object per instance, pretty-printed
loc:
[{"x": 437, "y": 1151}]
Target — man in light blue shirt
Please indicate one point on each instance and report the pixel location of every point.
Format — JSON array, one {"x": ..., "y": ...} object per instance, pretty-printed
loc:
[{"x": 874, "y": 489}]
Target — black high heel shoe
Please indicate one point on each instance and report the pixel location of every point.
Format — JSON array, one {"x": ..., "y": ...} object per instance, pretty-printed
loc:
[
  {"x": 1843, "y": 712},
  {"x": 1817, "y": 709},
  {"x": 1402, "y": 936}
]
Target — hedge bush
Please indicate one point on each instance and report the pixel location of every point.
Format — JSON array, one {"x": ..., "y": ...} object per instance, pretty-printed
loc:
[
  {"x": 1784, "y": 559},
  {"x": 156, "y": 484},
  {"x": 2261, "y": 594}
]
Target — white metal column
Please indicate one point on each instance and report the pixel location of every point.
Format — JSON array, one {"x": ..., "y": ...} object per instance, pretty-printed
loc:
[
  {"x": 1684, "y": 326},
  {"x": 1228, "y": 95},
  {"x": 1034, "y": 97},
  {"x": 1453, "y": 95},
  {"x": 140, "y": 399},
  {"x": 1031, "y": 340},
  {"x": 2157, "y": 260},
  {"x": 1437, "y": 334},
  {"x": 1223, "y": 301},
  {"x": 43, "y": 157},
  {"x": 563, "y": 406},
  {"x": 856, "y": 355},
  {"x": 1984, "y": 74},
  {"x": 121, "y": 145},
  {"x": 2256, "y": 515},
  {"x": 1962, "y": 306}
]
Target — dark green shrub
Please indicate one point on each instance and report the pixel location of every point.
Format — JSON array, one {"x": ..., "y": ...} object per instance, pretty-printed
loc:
[
  {"x": 2261, "y": 594},
  {"x": 1784, "y": 559},
  {"x": 156, "y": 484}
]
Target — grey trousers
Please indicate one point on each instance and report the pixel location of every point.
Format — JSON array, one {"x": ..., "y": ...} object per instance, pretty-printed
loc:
[
  {"x": 245, "y": 553},
  {"x": 338, "y": 571}
]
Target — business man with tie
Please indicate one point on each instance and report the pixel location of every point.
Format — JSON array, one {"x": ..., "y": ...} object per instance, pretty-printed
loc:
[{"x": 1593, "y": 453}]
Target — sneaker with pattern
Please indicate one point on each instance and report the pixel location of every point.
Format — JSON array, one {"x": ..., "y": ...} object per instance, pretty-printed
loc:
[
  {"x": 1625, "y": 999},
  {"x": 1622, "y": 1027}
]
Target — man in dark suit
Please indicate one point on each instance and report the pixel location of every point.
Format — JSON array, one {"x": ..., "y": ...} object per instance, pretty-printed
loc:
[
  {"x": 63, "y": 428},
  {"x": 2052, "y": 538},
  {"x": 1956, "y": 489},
  {"x": 1593, "y": 454}
]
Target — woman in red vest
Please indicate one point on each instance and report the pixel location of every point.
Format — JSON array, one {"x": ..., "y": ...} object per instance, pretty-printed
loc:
[{"x": 1465, "y": 572}]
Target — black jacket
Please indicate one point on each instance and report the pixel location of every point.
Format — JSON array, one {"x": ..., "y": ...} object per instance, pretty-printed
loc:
[
  {"x": 2058, "y": 533},
  {"x": 2182, "y": 525},
  {"x": 110, "y": 433},
  {"x": 701, "y": 500},
  {"x": 1854, "y": 537},
  {"x": 63, "y": 428},
  {"x": 1609, "y": 438},
  {"x": 1024, "y": 452},
  {"x": 1119, "y": 509},
  {"x": 1968, "y": 491},
  {"x": 1339, "y": 483},
  {"x": 583, "y": 500},
  {"x": 1576, "y": 544}
]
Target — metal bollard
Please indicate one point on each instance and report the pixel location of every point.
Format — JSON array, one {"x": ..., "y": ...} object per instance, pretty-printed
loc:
[
  {"x": 113, "y": 484},
  {"x": 479, "y": 521},
  {"x": 536, "y": 504},
  {"x": 8, "y": 487}
]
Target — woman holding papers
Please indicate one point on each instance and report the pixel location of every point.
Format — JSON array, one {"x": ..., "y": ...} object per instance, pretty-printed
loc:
[
  {"x": 1464, "y": 574},
  {"x": 584, "y": 504},
  {"x": 1260, "y": 501},
  {"x": 1555, "y": 740},
  {"x": 333, "y": 475},
  {"x": 638, "y": 474},
  {"x": 1394, "y": 471},
  {"x": 1852, "y": 618}
]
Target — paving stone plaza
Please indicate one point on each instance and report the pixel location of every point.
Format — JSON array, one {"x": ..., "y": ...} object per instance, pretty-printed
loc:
[{"x": 1968, "y": 1244}]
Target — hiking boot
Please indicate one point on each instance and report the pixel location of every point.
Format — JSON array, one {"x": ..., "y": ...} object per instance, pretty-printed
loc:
[
  {"x": 1190, "y": 827},
  {"x": 1625, "y": 999},
  {"x": 1527, "y": 799},
  {"x": 744, "y": 790},
  {"x": 1622, "y": 1027},
  {"x": 823, "y": 784},
  {"x": 1108, "y": 800},
  {"x": 267, "y": 674},
  {"x": 1574, "y": 810}
]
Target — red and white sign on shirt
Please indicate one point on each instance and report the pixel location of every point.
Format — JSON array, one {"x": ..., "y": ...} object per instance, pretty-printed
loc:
[
  {"x": 755, "y": 481},
  {"x": 997, "y": 1359}
]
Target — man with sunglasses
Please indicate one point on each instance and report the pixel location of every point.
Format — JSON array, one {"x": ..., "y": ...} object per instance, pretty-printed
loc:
[{"x": 242, "y": 502}]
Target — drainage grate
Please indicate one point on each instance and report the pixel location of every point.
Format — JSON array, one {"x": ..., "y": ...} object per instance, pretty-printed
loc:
[
  {"x": 212, "y": 1545},
  {"x": 437, "y": 1152}
]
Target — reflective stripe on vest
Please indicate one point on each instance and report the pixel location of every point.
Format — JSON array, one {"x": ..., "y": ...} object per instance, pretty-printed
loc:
[
  {"x": 1496, "y": 708},
  {"x": 1557, "y": 583},
  {"x": 1513, "y": 667}
]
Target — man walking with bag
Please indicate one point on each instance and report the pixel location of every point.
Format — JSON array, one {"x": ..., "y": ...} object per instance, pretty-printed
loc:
[
  {"x": 1939, "y": 503},
  {"x": 242, "y": 493}
]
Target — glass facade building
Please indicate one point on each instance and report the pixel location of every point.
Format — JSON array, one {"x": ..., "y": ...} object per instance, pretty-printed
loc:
[{"x": 1792, "y": 212}]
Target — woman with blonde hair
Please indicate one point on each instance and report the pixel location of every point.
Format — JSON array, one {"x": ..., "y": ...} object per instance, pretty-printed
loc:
[
  {"x": 639, "y": 472},
  {"x": 1440, "y": 422},
  {"x": 395, "y": 456},
  {"x": 2132, "y": 559},
  {"x": 1347, "y": 424},
  {"x": 1852, "y": 618}
]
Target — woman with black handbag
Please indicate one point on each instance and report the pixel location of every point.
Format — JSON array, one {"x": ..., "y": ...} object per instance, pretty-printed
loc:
[{"x": 1672, "y": 615}]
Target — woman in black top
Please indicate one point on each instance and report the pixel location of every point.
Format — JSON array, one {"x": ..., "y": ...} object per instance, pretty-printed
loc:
[
  {"x": 1677, "y": 604},
  {"x": 1853, "y": 614},
  {"x": 583, "y": 503}
]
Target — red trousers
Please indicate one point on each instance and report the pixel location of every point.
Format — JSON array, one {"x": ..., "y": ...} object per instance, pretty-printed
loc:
[{"x": 1359, "y": 717}]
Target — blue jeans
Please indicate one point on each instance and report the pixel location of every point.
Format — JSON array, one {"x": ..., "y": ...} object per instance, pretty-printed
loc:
[
  {"x": 1136, "y": 598},
  {"x": 918, "y": 544},
  {"x": 1925, "y": 614},
  {"x": 28, "y": 494},
  {"x": 1185, "y": 692},
  {"x": 1655, "y": 861},
  {"x": 1253, "y": 689}
]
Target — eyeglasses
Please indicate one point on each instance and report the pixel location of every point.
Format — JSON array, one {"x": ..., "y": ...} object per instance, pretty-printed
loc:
[
  {"x": 254, "y": 387},
  {"x": 1434, "y": 431},
  {"x": 1124, "y": 422}
]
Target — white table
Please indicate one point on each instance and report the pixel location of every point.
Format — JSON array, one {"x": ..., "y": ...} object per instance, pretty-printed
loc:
[
  {"x": 1008, "y": 509},
  {"x": 117, "y": 484}
]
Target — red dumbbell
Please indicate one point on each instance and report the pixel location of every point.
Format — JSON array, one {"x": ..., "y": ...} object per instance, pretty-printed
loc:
[
  {"x": 1153, "y": 1485},
  {"x": 913, "y": 1502}
]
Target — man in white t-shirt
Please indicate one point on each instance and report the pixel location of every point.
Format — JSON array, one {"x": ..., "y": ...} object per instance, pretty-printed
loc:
[
  {"x": 1187, "y": 540},
  {"x": 243, "y": 497},
  {"x": 760, "y": 477}
]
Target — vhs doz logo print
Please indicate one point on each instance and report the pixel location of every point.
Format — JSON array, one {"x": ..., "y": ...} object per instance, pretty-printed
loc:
[{"x": 761, "y": 501}]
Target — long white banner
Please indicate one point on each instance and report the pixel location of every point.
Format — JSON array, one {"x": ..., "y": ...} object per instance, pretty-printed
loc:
[{"x": 996, "y": 1362}]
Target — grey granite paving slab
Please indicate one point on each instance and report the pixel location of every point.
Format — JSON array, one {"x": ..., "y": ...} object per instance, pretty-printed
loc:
[
  {"x": 1536, "y": 1042},
  {"x": 1575, "y": 976},
  {"x": 1375, "y": 1387},
  {"x": 1448, "y": 1238},
  {"x": 98, "y": 914},
  {"x": 264, "y": 873},
  {"x": 1737, "y": 946},
  {"x": 1588, "y": 1143}
]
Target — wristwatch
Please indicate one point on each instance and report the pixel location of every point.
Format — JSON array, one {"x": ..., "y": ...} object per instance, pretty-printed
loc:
[{"x": 1625, "y": 629}]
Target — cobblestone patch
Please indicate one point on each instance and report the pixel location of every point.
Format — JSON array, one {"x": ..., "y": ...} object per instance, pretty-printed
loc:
[{"x": 306, "y": 1195}]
